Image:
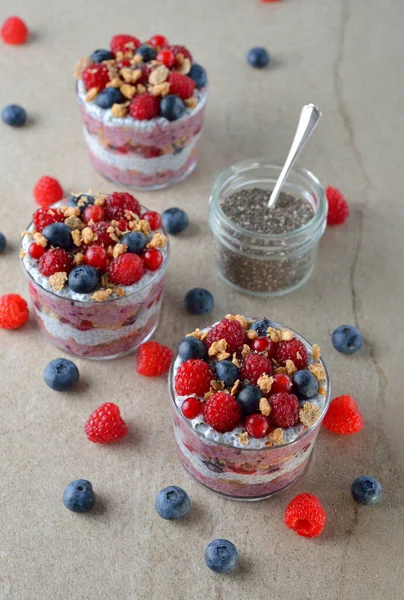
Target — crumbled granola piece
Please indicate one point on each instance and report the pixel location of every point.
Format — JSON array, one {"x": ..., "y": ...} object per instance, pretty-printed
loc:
[
  {"x": 298, "y": 355},
  {"x": 223, "y": 355},
  {"x": 276, "y": 436},
  {"x": 119, "y": 110},
  {"x": 191, "y": 102},
  {"x": 208, "y": 394},
  {"x": 217, "y": 347},
  {"x": 40, "y": 239},
  {"x": 137, "y": 59},
  {"x": 265, "y": 407},
  {"x": 322, "y": 391},
  {"x": 101, "y": 295},
  {"x": 252, "y": 334},
  {"x": 141, "y": 89},
  {"x": 58, "y": 280},
  {"x": 290, "y": 367},
  {"x": 217, "y": 385},
  {"x": 184, "y": 67},
  {"x": 180, "y": 58},
  {"x": 273, "y": 335},
  {"x": 88, "y": 235},
  {"x": 76, "y": 235},
  {"x": 158, "y": 240},
  {"x": 71, "y": 211},
  {"x": 317, "y": 370},
  {"x": 243, "y": 438},
  {"x": 120, "y": 292},
  {"x": 100, "y": 199},
  {"x": 22, "y": 253},
  {"x": 235, "y": 387},
  {"x": 91, "y": 94},
  {"x": 144, "y": 226},
  {"x": 246, "y": 350},
  {"x": 116, "y": 82},
  {"x": 286, "y": 335},
  {"x": 280, "y": 370},
  {"x": 161, "y": 89},
  {"x": 81, "y": 64},
  {"x": 200, "y": 335},
  {"x": 316, "y": 352},
  {"x": 265, "y": 383},
  {"x": 78, "y": 258},
  {"x": 240, "y": 318},
  {"x": 309, "y": 414},
  {"x": 131, "y": 76},
  {"x": 159, "y": 75},
  {"x": 118, "y": 250},
  {"x": 29, "y": 234},
  {"x": 236, "y": 361},
  {"x": 74, "y": 223},
  {"x": 128, "y": 90}
]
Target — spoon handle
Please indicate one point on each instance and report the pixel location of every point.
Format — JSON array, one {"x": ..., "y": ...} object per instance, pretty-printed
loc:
[{"x": 309, "y": 118}]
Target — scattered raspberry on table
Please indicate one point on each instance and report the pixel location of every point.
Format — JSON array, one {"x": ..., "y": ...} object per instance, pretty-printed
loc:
[
  {"x": 14, "y": 31},
  {"x": 338, "y": 208},
  {"x": 343, "y": 416},
  {"x": 105, "y": 425},
  {"x": 153, "y": 359},
  {"x": 13, "y": 311},
  {"x": 47, "y": 191},
  {"x": 305, "y": 515}
]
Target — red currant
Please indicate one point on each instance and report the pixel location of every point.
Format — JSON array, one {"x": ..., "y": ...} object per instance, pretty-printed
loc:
[
  {"x": 158, "y": 40},
  {"x": 122, "y": 225},
  {"x": 191, "y": 408},
  {"x": 36, "y": 251},
  {"x": 94, "y": 213},
  {"x": 153, "y": 218},
  {"x": 257, "y": 425},
  {"x": 260, "y": 344},
  {"x": 123, "y": 63},
  {"x": 97, "y": 257},
  {"x": 281, "y": 384},
  {"x": 167, "y": 58},
  {"x": 152, "y": 259}
]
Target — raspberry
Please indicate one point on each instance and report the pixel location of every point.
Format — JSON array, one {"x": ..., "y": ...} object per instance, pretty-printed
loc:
[
  {"x": 152, "y": 259},
  {"x": 144, "y": 107},
  {"x": 153, "y": 218},
  {"x": 14, "y": 31},
  {"x": 93, "y": 213},
  {"x": 36, "y": 251},
  {"x": 13, "y": 311},
  {"x": 126, "y": 269},
  {"x": 117, "y": 203},
  {"x": 222, "y": 412},
  {"x": 231, "y": 331},
  {"x": 153, "y": 359},
  {"x": 193, "y": 377},
  {"x": 305, "y": 515},
  {"x": 144, "y": 78},
  {"x": 95, "y": 76},
  {"x": 105, "y": 425},
  {"x": 181, "y": 85},
  {"x": 97, "y": 257},
  {"x": 343, "y": 416},
  {"x": 338, "y": 208},
  {"x": 255, "y": 365},
  {"x": 292, "y": 350},
  {"x": 55, "y": 260},
  {"x": 191, "y": 407},
  {"x": 43, "y": 217},
  {"x": 285, "y": 410},
  {"x": 103, "y": 237},
  {"x": 47, "y": 191},
  {"x": 181, "y": 50},
  {"x": 257, "y": 425},
  {"x": 123, "y": 42}
]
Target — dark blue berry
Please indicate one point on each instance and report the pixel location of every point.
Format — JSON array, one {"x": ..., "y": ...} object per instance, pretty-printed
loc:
[
  {"x": 305, "y": 385},
  {"x": 99, "y": 55},
  {"x": 147, "y": 52},
  {"x": 258, "y": 57},
  {"x": 108, "y": 97},
  {"x": 198, "y": 301},
  {"x": 198, "y": 74},
  {"x": 191, "y": 347},
  {"x": 3, "y": 242},
  {"x": 221, "y": 556},
  {"x": 261, "y": 326},
  {"x": 61, "y": 374},
  {"x": 58, "y": 235},
  {"x": 172, "y": 503},
  {"x": 135, "y": 241},
  {"x": 249, "y": 398},
  {"x": 84, "y": 279},
  {"x": 172, "y": 107},
  {"x": 14, "y": 115},
  {"x": 366, "y": 490},
  {"x": 347, "y": 339},
  {"x": 174, "y": 220},
  {"x": 227, "y": 372},
  {"x": 79, "y": 496},
  {"x": 81, "y": 201}
]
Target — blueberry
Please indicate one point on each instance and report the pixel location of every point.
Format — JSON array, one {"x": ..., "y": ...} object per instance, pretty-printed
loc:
[
  {"x": 249, "y": 398},
  {"x": 14, "y": 115},
  {"x": 135, "y": 241},
  {"x": 227, "y": 372},
  {"x": 198, "y": 301},
  {"x": 172, "y": 503},
  {"x": 61, "y": 374},
  {"x": 198, "y": 74},
  {"x": 81, "y": 200},
  {"x": 3, "y": 242},
  {"x": 147, "y": 52},
  {"x": 366, "y": 490},
  {"x": 108, "y": 97},
  {"x": 175, "y": 220},
  {"x": 347, "y": 339},
  {"x": 221, "y": 556},
  {"x": 84, "y": 279},
  {"x": 58, "y": 235},
  {"x": 305, "y": 385},
  {"x": 99, "y": 55},
  {"x": 258, "y": 57},
  {"x": 79, "y": 496},
  {"x": 172, "y": 107},
  {"x": 261, "y": 326},
  {"x": 191, "y": 347}
]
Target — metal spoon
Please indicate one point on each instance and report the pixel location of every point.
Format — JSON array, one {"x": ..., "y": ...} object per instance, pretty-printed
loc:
[{"x": 309, "y": 118}]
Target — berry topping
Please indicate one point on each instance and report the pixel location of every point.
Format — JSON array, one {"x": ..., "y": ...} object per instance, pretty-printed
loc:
[
  {"x": 14, "y": 115},
  {"x": 126, "y": 269},
  {"x": 13, "y": 311},
  {"x": 191, "y": 347},
  {"x": 193, "y": 377},
  {"x": 3, "y": 242},
  {"x": 93, "y": 213},
  {"x": 227, "y": 372},
  {"x": 281, "y": 384},
  {"x": 254, "y": 366},
  {"x": 95, "y": 76},
  {"x": 175, "y": 220},
  {"x": 103, "y": 236},
  {"x": 47, "y": 191},
  {"x": 198, "y": 75},
  {"x": 135, "y": 241},
  {"x": 305, "y": 385},
  {"x": 249, "y": 398},
  {"x": 229, "y": 330},
  {"x": 338, "y": 208},
  {"x": 284, "y": 410},
  {"x": 81, "y": 201},
  {"x": 167, "y": 58},
  {"x": 97, "y": 257},
  {"x": 257, "y": 425},
  {"x": 14, "y": 31},
  {"x": 123, "y": 42},
  {"x": 79, "y": 496},
  {"x": 58, "y": 235},
  {"x": 172, "y": 503},
  {"x": 61, "y": 374},
  {"x": 221, "y": 556},
  {"x": 108, "y": 97},
  {"x": 366, "y": 490},
  {"x": 343, "y": 416},
  {"x": 153, "y": 218},
  {"x": 191, "y": 408},
  {"x": 258, "y": 57},
  {"x": 152, "y": 259},
  {"x": 55, "y": 260},
  {"x": 158, "y": 41},
  {"x": 172, "y": 107},
  {"x": 144, "y": 107},
  {"x": 181, "y": 85},
  {"x": 347, "y": 339},
  {"x": 99, "y": 56},
  {"x": 153, "y": 359},
  {"x": 260, "y": 344},
  {"x": 105, "y": 425},
  {"x": 222, "y": 412},
  {"x": 84, "y": 279},
  {"x": 43, "y": 217},
  {"x": 293, "y": 350},
  {"x": 147, "y": 53},
  {"x": 305, "y": 515},
  {"x": 261, "y": 326},
  {"x": 181, "y": 50},
  {"x": 36, "y": 251},
  {"x": 118, "y": 202},
  {"x": 198, "y": 301}
]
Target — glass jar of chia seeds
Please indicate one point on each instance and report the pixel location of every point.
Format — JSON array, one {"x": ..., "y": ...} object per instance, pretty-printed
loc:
[{"x": 260, "y": 251}]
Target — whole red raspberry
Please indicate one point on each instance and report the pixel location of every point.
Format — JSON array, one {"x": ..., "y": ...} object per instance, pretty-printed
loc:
[
  {"x": 123, "y": 42},
  {"x": 117, "y": 203},
  {"x": 285, "y": 410},
  {"x": 55, "y": 260},
  {"x": 103, "y": 238},
  {"x": 43, "y": 217},
  {"x": 255, "y": 365},
  {"x": 153, "y": 359},
  {"x": 305, "y": 515},
  {"x": 181, "y": 85},
  {"x": 338, "y": 208},
  {"x": 292, "y": 350},
  {"x": 343, "y": 416},
  {"x": 105, "y": 425},
  {"x": 144, "y": 107},
  {"x": 193, "y": 377},
  {"x": 13, "y": 311},
  {"x": 47, "y": 191},
  {"x": 95, "y": 76},
  {"x": 222, "y": 412},
  {"x": 181, "y": 50},
  {"x": 14, "y": 31},
  {"x": 257, "y": 425},
  {"x": 231, "y": 331},
  {"x": 126, "y": 269}
]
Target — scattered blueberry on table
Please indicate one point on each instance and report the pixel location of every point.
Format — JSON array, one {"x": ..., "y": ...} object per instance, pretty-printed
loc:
[
  {"x": 258, "y": 57},
  {"x": 366, "y": 490},
  {"x": 14, "y": 115},
  {"x": 221, "y": 556},
  {"x": 84, "y": 279},
  {"x": 191, "y": 347},
  {"x": 198, "y": 301},
  {"x": 172, "y": 503},
  {"x": 172, "y": 107},
  {"x": 79, "y": 496},
  {"x": 61, "y": 374},
  {"x": 175, "y": 220},
  {"x": 347, "y": 339},
  {"x": 3, "y": 242}
]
